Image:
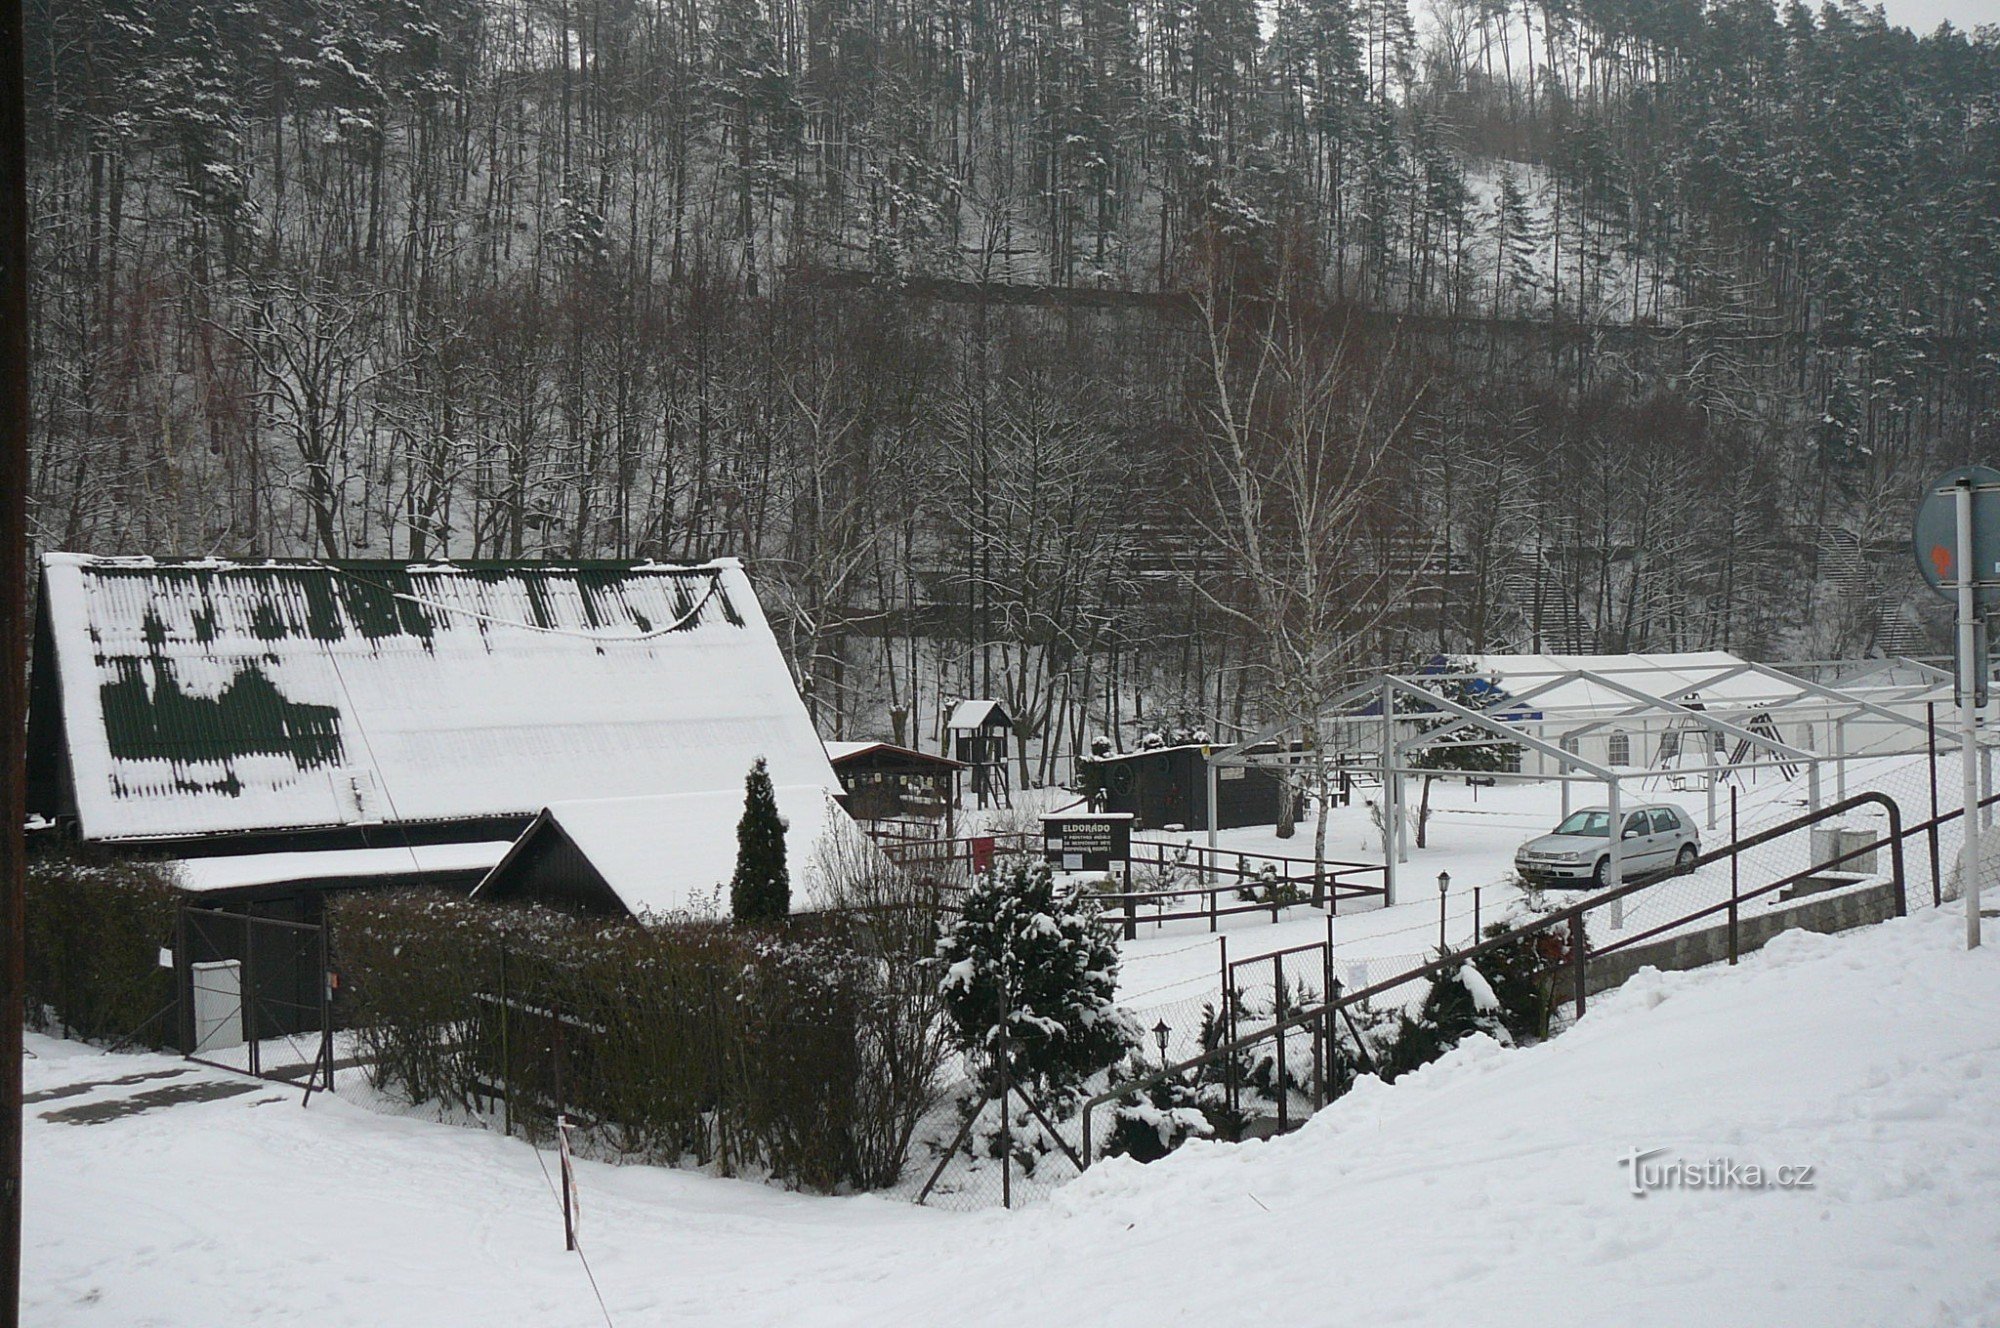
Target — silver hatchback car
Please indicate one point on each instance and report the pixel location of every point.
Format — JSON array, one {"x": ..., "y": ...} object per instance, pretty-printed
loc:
[{"x": 1578, "y": 852}]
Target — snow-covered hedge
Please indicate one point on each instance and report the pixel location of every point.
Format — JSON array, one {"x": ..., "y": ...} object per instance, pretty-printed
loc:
[
  {"x": 95, "y": 930},
  {"x": 684, "y": 1045}
]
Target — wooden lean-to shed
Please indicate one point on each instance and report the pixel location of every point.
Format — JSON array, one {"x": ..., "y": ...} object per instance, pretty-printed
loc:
[
  {"x": 1166, "y": 786},
  {"x": 884, "y": 782}
]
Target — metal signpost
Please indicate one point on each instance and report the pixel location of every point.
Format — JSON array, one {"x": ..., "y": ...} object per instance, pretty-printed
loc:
[{"x": 1956, "y": 542}]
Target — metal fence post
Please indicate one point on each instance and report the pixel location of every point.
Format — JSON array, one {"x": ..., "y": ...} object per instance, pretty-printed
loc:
[
  {"x": 1937, "y": 874},
  {"x": 248, "y": 991},
  {"x": 1278, "y": 1018},
  {"x": 1735, "y": 871},
  {"x": 183, "y": 985},
  {"x": 1576, "y": 943},
  {"x": 1896, "y": 858},
  {"x": 1229, "y": 1084},
  {"x": 326, "y": 1002},
  {"x": 506, "y": 1086},
  {"x": 1006, "y": 1118}
]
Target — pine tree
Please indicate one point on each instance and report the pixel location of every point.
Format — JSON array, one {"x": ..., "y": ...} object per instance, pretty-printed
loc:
[
  {"x": 1514, "y": 241},
  {"x": 1453, "y": 685},
  {"x": 761, "y": 890}
]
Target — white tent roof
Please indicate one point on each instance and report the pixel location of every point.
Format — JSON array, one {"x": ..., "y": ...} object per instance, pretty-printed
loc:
[
  {"x": 1667, "y": 677},
  {"x": 675, "y": 854},
  {"x": 215, "y": 697}
]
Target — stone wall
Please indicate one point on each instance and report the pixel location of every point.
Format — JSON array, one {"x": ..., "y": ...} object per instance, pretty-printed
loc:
[{"x": 1696, "y": 949}]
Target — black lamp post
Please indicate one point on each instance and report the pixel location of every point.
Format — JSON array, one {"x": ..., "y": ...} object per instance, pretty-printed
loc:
[
  {"x": 1444, "y": 884},
  {"x": 1160, "y": 1035}
]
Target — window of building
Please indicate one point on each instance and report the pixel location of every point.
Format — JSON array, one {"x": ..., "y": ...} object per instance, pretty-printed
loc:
[{"x": 1619, "y": 747}]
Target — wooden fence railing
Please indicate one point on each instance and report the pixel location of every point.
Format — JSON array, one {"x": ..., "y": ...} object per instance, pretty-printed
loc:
[{"x": 1217, "y": 883}]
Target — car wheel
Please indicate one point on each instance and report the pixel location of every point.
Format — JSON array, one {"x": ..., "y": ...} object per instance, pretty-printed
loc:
[
  {"x": 1600, "y": 875},
  {"x": 1684, "y": 863}
]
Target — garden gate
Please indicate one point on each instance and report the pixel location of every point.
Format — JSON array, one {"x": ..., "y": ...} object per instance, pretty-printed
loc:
[{"x": 255, "y": 994}]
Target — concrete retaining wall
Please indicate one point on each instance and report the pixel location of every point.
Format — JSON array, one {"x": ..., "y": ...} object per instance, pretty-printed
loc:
[{"x": 1697, "y": 949}]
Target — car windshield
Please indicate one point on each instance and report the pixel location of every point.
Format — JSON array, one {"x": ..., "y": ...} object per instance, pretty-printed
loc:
[{"x": 1586, "y": 823}]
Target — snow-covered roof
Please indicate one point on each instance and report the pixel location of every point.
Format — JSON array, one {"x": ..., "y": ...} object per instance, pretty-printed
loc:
[
  {"x": 976, "y": 715},
  {"x": 201, "y": 875},
  {"x": 1711, "y": 675},
  {"x": 844, "y": 751},
  {"x": 675, "y": 854},
  {"x": 214, "y": 697}
]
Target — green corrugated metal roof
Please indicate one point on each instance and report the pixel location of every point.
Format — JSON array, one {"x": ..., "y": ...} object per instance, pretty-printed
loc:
[{"x": 207, "y": 672}]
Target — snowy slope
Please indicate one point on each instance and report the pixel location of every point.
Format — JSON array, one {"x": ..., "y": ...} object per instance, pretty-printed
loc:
[{"x": 1485, "y": 1189}]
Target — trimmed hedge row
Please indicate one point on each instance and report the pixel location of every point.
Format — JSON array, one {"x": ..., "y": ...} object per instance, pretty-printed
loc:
[
  {"x": 677, "y": 1044},
  {"x": 95, "y": 929}
]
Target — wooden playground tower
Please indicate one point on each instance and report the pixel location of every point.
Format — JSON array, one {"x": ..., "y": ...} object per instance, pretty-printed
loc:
[{"x": 980, "y": 731}]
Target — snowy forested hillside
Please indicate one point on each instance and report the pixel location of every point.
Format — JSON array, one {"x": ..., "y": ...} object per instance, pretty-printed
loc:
[{"x": 1618, "y": 325}]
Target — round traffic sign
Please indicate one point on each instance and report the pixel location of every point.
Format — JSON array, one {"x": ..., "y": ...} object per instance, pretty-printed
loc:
[{"x": 1934, "y": 537}]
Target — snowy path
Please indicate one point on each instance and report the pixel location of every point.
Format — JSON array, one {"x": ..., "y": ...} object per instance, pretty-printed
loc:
[{"x": 1483, "y": 1189}]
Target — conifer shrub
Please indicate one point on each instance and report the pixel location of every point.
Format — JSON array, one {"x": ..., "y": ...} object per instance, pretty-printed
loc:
[
  {"x": 1028, "y": 972},
  {"x": 1504, "y": 994},
  {"x": 760, "y": 892}
]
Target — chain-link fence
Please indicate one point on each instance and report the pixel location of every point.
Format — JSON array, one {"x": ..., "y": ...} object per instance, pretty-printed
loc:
[
  {"x": 1888, "y": 838},
  {"x": 973, "y": 1154}
]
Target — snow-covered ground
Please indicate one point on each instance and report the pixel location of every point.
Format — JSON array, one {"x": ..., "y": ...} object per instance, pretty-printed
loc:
[{"x": 1486, "y": 1188}]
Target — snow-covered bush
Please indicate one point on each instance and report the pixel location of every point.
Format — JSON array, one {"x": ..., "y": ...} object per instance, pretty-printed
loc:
[
  {"x": 1270, "y": 888},
  {"x": 1027, "y": 965},
  {"x": 94, "y": 933},
  {"x": 1148, "y": 1125},
  {"x": 1504, "y": 994}
]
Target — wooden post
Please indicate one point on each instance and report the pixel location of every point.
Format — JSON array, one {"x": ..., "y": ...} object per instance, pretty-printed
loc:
[
  {"x": 14, "y": 628},
  {"x": 1131, "y": 905}
]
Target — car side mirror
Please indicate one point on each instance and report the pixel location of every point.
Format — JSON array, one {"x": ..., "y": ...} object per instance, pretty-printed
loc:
[{"x": 1631, "y": 832}]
